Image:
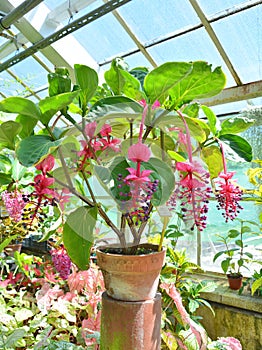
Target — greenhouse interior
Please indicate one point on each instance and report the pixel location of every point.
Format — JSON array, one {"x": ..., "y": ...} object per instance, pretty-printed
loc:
[{"x": 131, "y": 174}]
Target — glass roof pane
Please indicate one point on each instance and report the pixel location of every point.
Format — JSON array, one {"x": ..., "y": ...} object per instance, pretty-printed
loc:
[
  {"x": 192, "y": 46},
  {"x": 28, "y": 71},
  {"x": 104, "y": 38},
  {"x": 245, "y": 31},
  {"x": 157, "y": 17}
]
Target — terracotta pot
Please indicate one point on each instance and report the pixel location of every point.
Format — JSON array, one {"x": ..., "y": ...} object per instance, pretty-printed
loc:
[
  {"x": 235, "y": 282},
  {"x": 10, "y": 249},
  {"x": 131, "y": 277}
]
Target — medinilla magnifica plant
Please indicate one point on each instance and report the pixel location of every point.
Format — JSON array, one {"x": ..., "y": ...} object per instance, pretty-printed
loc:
[{"x": 142, "y": 135}]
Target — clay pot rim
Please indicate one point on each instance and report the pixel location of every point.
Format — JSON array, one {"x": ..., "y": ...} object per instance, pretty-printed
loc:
[
  {"x": 234, "y": 276},
  {"x": 129, "y": 256}
]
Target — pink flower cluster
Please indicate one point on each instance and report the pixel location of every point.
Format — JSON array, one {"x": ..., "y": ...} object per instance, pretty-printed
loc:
[
  {"x": 136, "y": 203},
  {"x": 14, "y": 204},
  {"x": 228, "y": 196},
  {"x": 96, "y": 143},
  {"x": 61, "y": 262},
  {"x": 194, "y": 192}
]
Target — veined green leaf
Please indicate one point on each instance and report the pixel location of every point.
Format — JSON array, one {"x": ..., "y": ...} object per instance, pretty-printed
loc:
[
  {"x": 51, "y": 105},
  {"x": 31, "y": 149},
  {"x": 213, "y": 121},
  {"x": 236, "y": 125},
  {"x": 164, "y": 173},
  {"x": 213, "y": 158},
  {"x": 20, "y": 105},
  {"x": 161, "y": 80},
  {"x": 8, "y": 132},
  {"x": 202, "y": 82},
  {"x": 87, "y": 79},
  {"x": 78, "y": 235},
  {"x": 237, "y": 146}
]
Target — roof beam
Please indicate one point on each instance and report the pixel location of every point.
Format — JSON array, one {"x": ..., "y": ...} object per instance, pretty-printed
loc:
[
  {"x": 17, "y": 13},
  {"x": 235, "y": 93},
  {"x": 215, "y": 40},
  {"x": 45, "y": 43}
]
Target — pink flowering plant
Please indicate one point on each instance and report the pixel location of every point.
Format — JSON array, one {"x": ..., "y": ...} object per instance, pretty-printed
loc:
[{"x": 139, "y": 137}]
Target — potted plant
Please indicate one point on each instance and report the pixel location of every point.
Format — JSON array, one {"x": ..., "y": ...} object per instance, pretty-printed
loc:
[
  {"x": 235, "y": 256},
  {"x": 139, "y": 137}
]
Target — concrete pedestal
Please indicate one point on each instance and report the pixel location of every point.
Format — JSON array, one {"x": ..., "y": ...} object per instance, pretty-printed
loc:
[{"x": 130, "y": 325}]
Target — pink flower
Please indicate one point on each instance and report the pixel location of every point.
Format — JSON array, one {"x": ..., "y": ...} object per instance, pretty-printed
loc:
[
  {"x": 90, "y": 129},
  {"x": 111, "y": 143},
  {"x": 61, "y": 262},
  {"x": 41, "y": 185},
  {"x": 89, "y": 327},
  {"x": 14, "y": 204},
  {"x": 228, "y": 196},
  {"x": 233, "y": 343},
  {"x": 142, "y": 178},
  {"x": 193, "y": 191},
  {"x": 139, "y": 152},
  {"x": 106, "y": 130},
  {"x": 47, "y": 164}
]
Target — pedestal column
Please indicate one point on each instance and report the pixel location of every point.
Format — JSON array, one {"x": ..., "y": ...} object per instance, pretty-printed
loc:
[{"x": 130, "y": 325}]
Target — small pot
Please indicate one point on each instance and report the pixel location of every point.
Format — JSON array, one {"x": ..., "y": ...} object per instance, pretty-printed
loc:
[
  {"x": 131, "y": 277},
  {"x": 10, "y": 249},
  {"x": 235, "y": 281}
]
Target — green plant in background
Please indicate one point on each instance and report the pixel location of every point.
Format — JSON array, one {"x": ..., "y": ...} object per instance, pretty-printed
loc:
[
  {"x": 235, "y": 256},
  {"x": 255, "y": 178},
  {"x": 40, "y": 310},
  {"x": 253, "y": 284},
  {"x": 178, "y": 272}
]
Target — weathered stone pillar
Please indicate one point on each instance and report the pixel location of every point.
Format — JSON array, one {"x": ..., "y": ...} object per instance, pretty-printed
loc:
[{"x": 130, "y": 325}]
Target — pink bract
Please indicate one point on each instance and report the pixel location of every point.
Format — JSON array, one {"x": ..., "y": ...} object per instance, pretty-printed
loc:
[
  {"x": 47, "y": 164},
  {"x": 139, "y": 152}
]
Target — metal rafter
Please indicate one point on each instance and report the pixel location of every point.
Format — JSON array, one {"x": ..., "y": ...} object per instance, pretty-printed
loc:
[
  {"x": 17, "y": 13},
  {"x": 235, "y": 93},
  {"x": 68, "y": 29},
  {"x": 215, "y": 40}
]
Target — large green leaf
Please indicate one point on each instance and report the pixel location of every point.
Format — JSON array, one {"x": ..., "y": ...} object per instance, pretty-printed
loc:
[
  {"x": 213, "y": 121},
  {"x": 161, "y": 80},
  {"x": 164, "y": 173},
  {"x": 8, "y": 132},
  {"x": 238, "y": 145},
  {"x": 236, "y": 125},
  {"x": 132, "y": 87},
  {"x": 213, "y": 158},
  {"x": 5, "y": 179},
  {"x": 28, "y": 124},
  {"x": 59, "y": 81},
  {"x": 87, "y": 79},
  {"x": 20, "y": 105},
  {"x": 78, "y": 235},
  {"x": 202, "y": 82},
  {"x": 114, "y": 78},
  {"x": 31, "y": 149},
  {"x": 18, "y": 170},
  {"x": 51, "y": 105}
]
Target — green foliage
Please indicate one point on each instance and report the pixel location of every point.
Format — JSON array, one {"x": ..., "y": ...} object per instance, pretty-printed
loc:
[
  {"x": 178, "y": 270},
  {"x": 175, "y": 86},
  {"x": 78, "y": 235},
  {"x": 235, "y": 255}
]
